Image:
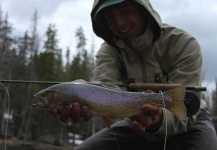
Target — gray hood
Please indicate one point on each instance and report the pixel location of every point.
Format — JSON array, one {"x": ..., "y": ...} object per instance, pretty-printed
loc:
[{"x": 102, "y": 30}]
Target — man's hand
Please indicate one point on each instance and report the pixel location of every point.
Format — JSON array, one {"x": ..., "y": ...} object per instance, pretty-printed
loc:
[
  {"x": 75, "y": 113},
  {"x": 150, "y": 119}
]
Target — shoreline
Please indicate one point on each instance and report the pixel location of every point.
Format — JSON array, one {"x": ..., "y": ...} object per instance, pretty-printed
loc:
[{"x": 31, "y": 144}]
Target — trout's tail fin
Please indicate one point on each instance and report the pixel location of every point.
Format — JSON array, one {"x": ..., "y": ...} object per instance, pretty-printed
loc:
[{"x": 177, "y": 107}]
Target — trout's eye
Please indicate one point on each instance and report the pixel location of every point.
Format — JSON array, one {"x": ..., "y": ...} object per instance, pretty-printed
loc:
[{"x": 48, "y": 93}]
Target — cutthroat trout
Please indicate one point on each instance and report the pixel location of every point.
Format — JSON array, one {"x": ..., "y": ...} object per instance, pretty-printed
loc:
[{"x": 110, "y": 102}]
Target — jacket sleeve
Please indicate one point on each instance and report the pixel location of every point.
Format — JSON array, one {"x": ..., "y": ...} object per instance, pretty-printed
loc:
[
  {"x": 108, "y": 66},
  {"x": 185, "y": 63}
]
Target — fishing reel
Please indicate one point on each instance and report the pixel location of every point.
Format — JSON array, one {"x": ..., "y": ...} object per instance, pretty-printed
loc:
[{"x": 192, "y": 103}]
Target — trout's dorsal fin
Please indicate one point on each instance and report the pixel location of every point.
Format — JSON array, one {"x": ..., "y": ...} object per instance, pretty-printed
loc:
[
  {"x": 178, "y": 106},
  {"x": 108, "y": 120}
]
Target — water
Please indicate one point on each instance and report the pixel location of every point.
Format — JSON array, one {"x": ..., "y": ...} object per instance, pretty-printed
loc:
[
  {"x": 51, "y": 147},
  {"x": 16, "y": 148}
]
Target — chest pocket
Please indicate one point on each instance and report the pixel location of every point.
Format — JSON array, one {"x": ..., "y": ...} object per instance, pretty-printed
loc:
[
  {"x": 143, "y": 68},
  {"x": 154, "y": 72},
  {"x": 140, "y": 70}
]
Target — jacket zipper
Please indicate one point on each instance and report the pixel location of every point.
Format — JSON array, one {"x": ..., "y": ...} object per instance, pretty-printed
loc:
[{"x": 144, "y": 77}]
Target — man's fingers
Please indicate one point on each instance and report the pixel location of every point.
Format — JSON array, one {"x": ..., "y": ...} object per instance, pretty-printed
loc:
[
  {"x": 65, "y": 114},
  {"x": 144, "y": 121},
  {"x": 150, "y": 110},
  {"x": 86, "y": 113},
  {"x": 75, "y": 112},
  {"x": 54, "y": 112},
  {"x": 155, "y": 114},
  {"x": 137, "y": 127}
]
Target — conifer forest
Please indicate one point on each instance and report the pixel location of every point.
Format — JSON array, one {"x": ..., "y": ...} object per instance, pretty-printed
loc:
[{"x": 27, "y": 58}]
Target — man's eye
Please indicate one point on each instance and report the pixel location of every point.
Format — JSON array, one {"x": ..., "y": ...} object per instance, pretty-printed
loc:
[{"x": 109, "y": 17}]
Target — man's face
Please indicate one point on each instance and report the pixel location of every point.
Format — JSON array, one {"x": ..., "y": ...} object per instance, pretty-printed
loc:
[{"x": 125, "y": 20}]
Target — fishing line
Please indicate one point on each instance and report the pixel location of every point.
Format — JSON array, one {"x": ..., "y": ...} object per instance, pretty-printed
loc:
[
  {"x": 7, "y": 119},
  {"x": 165, "y": 139}
]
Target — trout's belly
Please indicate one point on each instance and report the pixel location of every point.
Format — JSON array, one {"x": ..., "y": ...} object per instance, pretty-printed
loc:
[{"x": 116, "y": 110}]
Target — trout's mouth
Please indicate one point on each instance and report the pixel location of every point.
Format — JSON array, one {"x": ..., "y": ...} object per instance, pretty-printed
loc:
[
  {"x": 41, "y": 102},
  {"x": 47, "y": 99}
]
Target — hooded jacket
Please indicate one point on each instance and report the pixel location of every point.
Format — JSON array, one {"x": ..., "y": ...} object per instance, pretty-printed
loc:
[{"x": 173, "y": 57}]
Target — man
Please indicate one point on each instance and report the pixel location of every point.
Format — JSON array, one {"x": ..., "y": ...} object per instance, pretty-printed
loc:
[{"x": 140, "y": 48}]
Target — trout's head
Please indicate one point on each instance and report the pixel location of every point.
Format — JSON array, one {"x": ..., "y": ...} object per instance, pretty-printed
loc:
[{"x": 48, "y": 98}]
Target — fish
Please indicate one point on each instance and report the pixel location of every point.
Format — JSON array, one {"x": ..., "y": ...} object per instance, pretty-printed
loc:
[{"x": 108, "y": 102}]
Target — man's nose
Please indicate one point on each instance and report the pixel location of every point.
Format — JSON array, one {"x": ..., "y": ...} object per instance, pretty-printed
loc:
[{"x": 119, "y": 19}]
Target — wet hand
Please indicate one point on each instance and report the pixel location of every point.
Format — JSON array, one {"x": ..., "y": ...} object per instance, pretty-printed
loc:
[
  {"x": 149, "y": 120},
  {"x": 74, "y": 113}
]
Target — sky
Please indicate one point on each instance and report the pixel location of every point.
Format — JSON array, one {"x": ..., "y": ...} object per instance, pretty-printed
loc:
[{"x": 197, "y": 17}]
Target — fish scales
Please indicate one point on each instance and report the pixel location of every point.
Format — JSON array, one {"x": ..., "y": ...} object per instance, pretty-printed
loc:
[
  {"x": 114, "y": 102},
  {"x": 102, "y": 100}
]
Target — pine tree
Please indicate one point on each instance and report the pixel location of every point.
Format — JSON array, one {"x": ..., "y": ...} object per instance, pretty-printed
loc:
[
  {"x": 214, "y": 110},
  {"x": 49, "y": 68},
  {"x": 7, "y": 56},
  {"x": 50, "y": 61},
  {"x": 5, "y": 46},
  {"x": 67, "y": 67},
  {"x": 80, "y": 65}
]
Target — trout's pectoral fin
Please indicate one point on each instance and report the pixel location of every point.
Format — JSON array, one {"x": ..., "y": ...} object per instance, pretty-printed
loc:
[{"x": 108, "y": 120}]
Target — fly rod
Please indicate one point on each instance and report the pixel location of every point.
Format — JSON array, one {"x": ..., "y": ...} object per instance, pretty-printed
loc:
[
  {"x": 34, "y": 82},
  {"x": 136, "y": 86}
]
